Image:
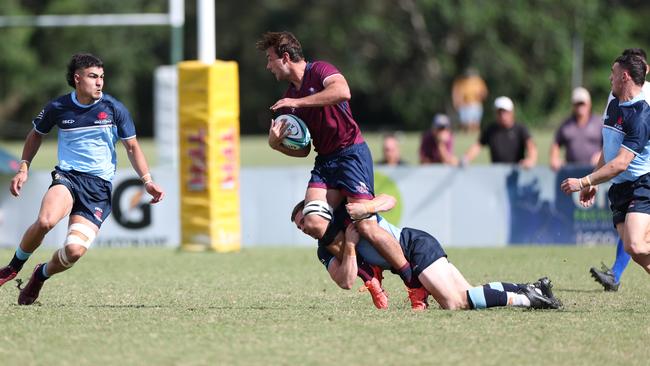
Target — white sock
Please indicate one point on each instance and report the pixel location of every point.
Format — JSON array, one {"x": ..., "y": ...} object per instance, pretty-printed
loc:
[{"x": 520, "y": 300}]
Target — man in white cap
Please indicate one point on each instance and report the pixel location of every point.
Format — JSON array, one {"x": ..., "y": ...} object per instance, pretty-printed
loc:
[
  {"x": 580, "y": 134},
  {"x": 509, "y": 142}
]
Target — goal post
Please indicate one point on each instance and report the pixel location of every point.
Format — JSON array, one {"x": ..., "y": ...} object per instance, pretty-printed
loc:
[{"x": 209, "y": 155}]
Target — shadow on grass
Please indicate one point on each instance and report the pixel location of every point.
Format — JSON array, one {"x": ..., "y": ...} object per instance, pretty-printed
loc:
[{"x": 580, "y": 290}]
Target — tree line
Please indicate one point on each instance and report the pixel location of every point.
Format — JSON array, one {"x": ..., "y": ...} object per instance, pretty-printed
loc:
[{"x": 399, "y": 56}]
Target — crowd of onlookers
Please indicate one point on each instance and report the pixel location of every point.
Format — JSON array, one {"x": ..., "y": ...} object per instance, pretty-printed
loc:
[{"x": 507, "y": 140}]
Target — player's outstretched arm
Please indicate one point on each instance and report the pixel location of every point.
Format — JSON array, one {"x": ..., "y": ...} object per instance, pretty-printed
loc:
[
  {"x": 277, "y": 132},
  {"x": 361, "y": 210},
  {"x": 602, "y": 173},
  {"x": 32, "y": 144},
  {"x": 139, "y": 164}
]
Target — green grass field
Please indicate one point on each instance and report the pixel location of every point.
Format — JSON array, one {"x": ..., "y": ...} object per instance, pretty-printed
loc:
[
  {"x": 277, "y": 306},
  {"x": 255, "y": 150}
]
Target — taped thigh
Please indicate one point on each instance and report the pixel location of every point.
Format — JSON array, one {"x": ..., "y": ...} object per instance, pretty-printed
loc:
[{"x": 76, "y": 234}]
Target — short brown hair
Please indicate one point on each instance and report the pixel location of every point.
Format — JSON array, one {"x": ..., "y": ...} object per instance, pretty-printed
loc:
[
  {"x": 281, "y": 42},
  {"x": 635, "y": 65},
  {"x": 298, "y": 207}
]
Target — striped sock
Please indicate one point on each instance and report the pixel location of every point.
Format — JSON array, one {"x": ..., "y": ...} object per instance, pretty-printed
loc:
[
  {"x": 19, "y": 259},
  {"x": 41, "y": 272}
]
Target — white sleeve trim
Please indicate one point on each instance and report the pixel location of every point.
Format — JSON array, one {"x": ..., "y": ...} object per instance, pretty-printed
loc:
[
  {"x": 127, "y": 138},
  {"x": 39, "y": 132},
  {"x": 630, "y": 150},
  {"x": 329, "y": 76}
]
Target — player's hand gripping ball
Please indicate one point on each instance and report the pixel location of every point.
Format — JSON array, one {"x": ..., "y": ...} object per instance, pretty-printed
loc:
[{"x": 298, "y": 136}]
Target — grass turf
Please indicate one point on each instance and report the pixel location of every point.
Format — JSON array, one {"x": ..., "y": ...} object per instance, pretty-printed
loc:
[{"x": 277, "y": 306}]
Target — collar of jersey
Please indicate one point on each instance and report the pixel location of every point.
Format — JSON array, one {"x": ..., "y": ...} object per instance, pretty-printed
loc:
[
  {"x": 628, "y": 103},
  {"x": 76, "y": 102}
]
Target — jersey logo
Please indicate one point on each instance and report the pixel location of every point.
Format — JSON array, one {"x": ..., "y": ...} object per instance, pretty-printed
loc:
[
  {"x": 67, "y": 122},
  {"x": 619, "y": 123},
  {"x": 102, "y": 118},
  {"x": 362, "y": 188}
]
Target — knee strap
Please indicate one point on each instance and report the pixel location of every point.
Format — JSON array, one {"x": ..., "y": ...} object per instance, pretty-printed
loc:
[
  {"x": 63, "y": 258},
  {"x": 73, "y": 235},
  {"x": 320, "y": 208}
]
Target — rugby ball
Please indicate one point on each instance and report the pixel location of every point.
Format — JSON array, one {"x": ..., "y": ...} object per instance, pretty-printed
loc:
[{"x": 298, "y": 137}]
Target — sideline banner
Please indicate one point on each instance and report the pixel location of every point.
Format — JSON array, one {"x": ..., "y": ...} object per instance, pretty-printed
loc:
[
  {"x": 133, "y": 222},
  {"x": 493, "y": 205},
  {"x": 209, "y": 156}
]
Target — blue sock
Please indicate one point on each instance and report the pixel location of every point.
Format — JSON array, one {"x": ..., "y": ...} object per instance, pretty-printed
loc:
[
  {"x": 483, "y": 297},
  {"x": 41, "y": 272},
  {"x": 19, "y": 259},
  {"x": 621, "y": 261}
]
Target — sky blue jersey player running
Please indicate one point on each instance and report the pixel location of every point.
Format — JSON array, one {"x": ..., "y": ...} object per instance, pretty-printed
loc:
[
  {"x": 625, "y": 159},
  {"x": 348, "y": 256},
  {"x": 319, "y": 95},
  {"x": 89, "y": 125},
  {"x": 610, "y": 279}
]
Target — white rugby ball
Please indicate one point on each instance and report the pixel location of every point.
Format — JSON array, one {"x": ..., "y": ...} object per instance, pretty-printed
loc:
[{"x": 299, "y": 136}]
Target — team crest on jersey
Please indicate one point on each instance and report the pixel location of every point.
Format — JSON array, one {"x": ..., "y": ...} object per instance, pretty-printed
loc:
[
  {"x": 98, "y": 213},
  {"x": 102, "y": 118},
  {"x": 619, "y": 122}
]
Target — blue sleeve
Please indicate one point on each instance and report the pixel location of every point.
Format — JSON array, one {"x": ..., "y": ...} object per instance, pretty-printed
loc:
[
  {"x": 324, "y": 256},
  {"x": 636, "y": 129},
  {"x": 43, "y": 123},
  {"x": 123, "y": 121}
]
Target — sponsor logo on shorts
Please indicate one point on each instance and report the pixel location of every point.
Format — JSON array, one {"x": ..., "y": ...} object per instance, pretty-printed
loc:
[
  {"x": 98, "y": 213},
  {"x": 631, "y": 205},
  {"x": 362, "y": 188}
]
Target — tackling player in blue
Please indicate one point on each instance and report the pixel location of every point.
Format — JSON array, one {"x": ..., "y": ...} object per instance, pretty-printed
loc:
[
  {"x": 346, "y": 255},
  {"x": 625, "y": 159},
  {"x": 89, "y": 125}
]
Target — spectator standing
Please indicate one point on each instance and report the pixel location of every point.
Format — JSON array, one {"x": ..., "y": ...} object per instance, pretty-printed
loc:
[
  {"x": 509, "y": 141},
  {"x": 580, "y": 134},
  {"x": 391, "y": 150},
  {"x": 468, "y": 93},
  {"x": 437, "y": 144}
]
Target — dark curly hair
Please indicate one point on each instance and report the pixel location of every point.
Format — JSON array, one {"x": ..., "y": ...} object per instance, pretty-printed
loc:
[
  {"x": 281, "y": 42},
  {"x": 81, "y": 61}
]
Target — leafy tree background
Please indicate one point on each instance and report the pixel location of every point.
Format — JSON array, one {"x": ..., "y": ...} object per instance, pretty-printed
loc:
[{"x": 399, "y": 56}]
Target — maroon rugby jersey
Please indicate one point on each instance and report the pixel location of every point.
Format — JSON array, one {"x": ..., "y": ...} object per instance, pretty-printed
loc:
[{"x": 332, "y": 127}]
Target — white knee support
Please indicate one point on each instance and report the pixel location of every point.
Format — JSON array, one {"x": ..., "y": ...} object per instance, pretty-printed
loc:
[
  {"x": 74, "y": 238},
  {"x": 63, "y": 258},
  {"x": 320, "y": 208}
]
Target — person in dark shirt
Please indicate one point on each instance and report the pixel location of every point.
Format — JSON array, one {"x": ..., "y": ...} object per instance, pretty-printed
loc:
[{"x": 508, "y": 141}]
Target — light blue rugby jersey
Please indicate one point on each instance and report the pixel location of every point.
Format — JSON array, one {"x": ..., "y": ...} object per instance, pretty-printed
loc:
[
  {"x": 627, "y": 125},
  {"x": 369, "y": 253},
  {"x": 87, "y": 133}
]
